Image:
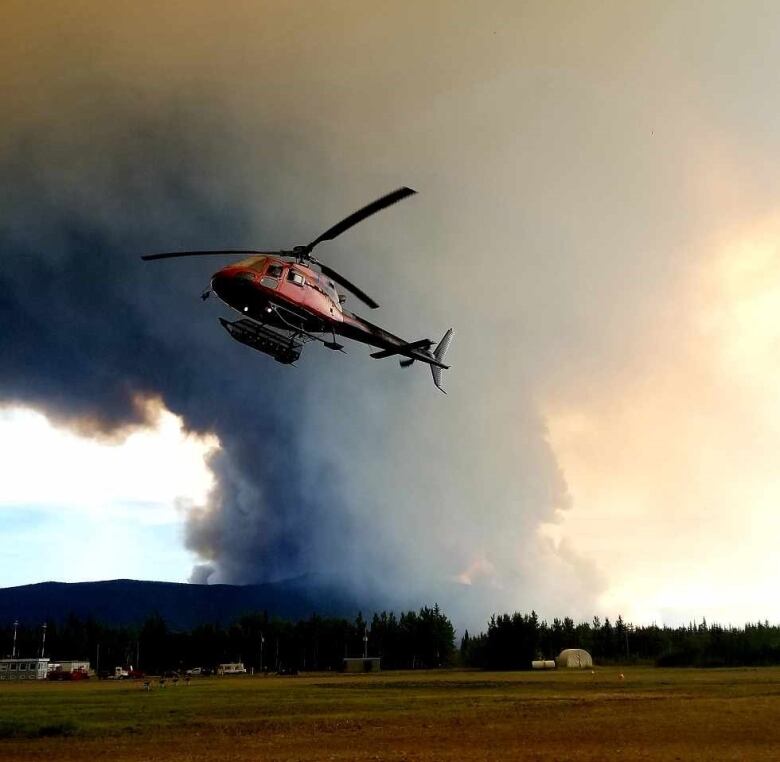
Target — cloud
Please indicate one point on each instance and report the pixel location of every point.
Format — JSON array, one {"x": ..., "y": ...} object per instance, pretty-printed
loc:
[
  {"x": 146, "y": 470},
  {"x": 74, "y": 507},
  {"x": 670, "y": 463}
]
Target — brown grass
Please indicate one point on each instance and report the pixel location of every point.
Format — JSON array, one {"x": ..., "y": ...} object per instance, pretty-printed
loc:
[{"x": 651, "y": 714}]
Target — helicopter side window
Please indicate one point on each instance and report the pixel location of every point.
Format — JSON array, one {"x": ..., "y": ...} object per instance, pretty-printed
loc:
[
  {"x": 295, "y": 277},
  {"x": 271, "y": 277}
]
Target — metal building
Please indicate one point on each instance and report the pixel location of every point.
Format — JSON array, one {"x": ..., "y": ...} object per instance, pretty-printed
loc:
[{"x": 361, "y": 664}]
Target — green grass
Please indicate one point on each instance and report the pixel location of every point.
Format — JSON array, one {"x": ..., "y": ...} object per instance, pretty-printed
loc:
[
  {"x": 22, "y": 729},
  {"x": 652, "y": 713}
]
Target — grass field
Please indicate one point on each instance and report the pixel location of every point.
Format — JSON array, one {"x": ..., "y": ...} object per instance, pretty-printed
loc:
[{"x": 458, "y": 715}]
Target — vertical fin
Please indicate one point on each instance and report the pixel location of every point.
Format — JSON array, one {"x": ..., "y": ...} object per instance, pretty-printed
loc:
[{"x": 438, "y": 353}]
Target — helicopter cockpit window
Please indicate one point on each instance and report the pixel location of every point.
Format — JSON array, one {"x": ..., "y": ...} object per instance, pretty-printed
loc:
[
  {"x": 330, "y": 289},
  {"x": 271, "y": 277},
  {"x": 295, "y": 277}
]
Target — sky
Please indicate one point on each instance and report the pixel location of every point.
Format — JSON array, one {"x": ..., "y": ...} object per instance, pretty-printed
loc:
[{"x": 597, "y": 218}]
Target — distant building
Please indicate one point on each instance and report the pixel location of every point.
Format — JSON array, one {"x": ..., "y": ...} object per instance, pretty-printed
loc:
[
  {"x": 23, "y": 669},
  {"x": 360, "y": 664},
  {"x": 71, "y": 669},
  {"x": 231, "y": 668},
  {"x": 69, "y": 665},
  {"x": 574, "y": 657}
]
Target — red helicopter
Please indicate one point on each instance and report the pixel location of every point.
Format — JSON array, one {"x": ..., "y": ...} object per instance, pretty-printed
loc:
[{"x": 286, "y": 303}]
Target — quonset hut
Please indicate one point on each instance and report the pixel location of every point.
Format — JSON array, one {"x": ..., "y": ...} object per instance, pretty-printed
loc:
[{"x": 573, "y": 657}]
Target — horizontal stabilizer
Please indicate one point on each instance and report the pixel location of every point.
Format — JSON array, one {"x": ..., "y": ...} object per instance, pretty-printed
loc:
[{"x": 403, "y": 349}]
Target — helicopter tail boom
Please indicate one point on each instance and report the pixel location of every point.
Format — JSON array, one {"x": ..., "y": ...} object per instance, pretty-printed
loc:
[
  {"x": 403, "y": 349},
  {"x": 389, "y": 346}
]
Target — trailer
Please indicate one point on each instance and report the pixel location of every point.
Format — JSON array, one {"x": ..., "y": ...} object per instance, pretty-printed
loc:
[
  {"x": 231, "y": 668},
  {"x": 23, "y": 669}
]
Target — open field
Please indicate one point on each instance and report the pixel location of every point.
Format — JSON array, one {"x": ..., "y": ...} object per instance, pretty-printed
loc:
[{"x": 651, "y": 714}]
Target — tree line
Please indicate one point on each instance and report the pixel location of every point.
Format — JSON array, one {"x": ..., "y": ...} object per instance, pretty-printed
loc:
[
  {"x": 414, "y": 639},
  {"x": 423, "y": 639},
  {"x": 513, "y": 641}
]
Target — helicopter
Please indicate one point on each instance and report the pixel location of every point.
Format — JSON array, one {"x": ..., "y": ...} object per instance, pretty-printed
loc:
[{"x": 289, "y": 298}]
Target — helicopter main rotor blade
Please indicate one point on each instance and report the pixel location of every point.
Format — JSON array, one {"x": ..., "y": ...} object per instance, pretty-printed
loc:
[
  {"x": 361, "y": 214},
  {"x": 172, "y": 254},
  {"x": 362, "y": 295}
]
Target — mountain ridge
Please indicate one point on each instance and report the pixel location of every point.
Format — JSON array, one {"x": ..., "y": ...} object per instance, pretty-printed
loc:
[{"x": 183, "y": 605}]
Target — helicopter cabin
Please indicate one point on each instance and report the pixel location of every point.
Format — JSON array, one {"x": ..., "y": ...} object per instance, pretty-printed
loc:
[{"x": 298, "y": 283}]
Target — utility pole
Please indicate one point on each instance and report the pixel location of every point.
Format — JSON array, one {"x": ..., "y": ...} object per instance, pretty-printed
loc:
[
  {"x": 365, "y": 642},
  {"x": 43, "y": 640},
  {"x": 16, "y": 625},
  {"x": 262, "y": 641}
]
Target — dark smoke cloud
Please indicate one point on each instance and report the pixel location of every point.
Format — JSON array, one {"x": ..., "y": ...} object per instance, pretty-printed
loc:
[
  {"x": 87, "y": 328},
  {"x": 345, "y": 469}
]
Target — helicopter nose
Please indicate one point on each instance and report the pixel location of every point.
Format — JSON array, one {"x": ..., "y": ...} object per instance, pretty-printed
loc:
[
  {"x": 233, "y": 287},
  {"x": 219, "y": 283}
]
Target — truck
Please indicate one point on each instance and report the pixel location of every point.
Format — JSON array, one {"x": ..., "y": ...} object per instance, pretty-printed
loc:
[{"x": 125, "y": 673}]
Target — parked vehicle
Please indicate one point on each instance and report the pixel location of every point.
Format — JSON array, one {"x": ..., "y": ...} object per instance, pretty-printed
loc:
[
  {"x": 62, "y": 675},
  {"x": 126, "y": 673}
]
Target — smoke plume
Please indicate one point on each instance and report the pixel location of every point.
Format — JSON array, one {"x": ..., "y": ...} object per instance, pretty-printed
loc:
[{"x": 151, "y": 129}]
